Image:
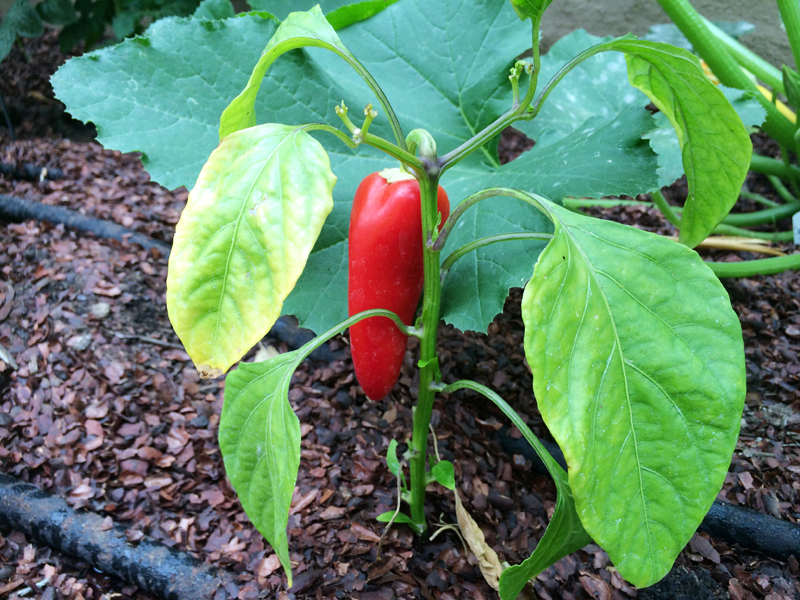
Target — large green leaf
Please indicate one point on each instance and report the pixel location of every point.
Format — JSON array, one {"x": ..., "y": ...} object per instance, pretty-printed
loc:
[
  {"x": 444, "y": 67},
  {"x": 715, "y": 145},
  {"x": 259, "y": 436},
  {"x": 638, "y": 370},
  {"x": 243, "y": 240}
]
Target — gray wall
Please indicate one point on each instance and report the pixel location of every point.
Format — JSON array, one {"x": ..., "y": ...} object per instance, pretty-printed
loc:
[{"x": 618, "y": 17}]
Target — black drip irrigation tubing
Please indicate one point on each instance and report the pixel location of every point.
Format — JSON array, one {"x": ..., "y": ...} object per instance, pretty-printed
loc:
[
  {"x": 728, "y": 523},
  {"x": 17, "y": 210},
  {"x": 154, "y": 567}
]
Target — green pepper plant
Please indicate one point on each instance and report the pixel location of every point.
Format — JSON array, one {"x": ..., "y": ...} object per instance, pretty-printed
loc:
[{"x": 636, "y": 354}]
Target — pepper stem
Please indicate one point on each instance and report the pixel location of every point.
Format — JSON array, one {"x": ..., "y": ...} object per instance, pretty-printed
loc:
[{"x": 429, "y": 364}]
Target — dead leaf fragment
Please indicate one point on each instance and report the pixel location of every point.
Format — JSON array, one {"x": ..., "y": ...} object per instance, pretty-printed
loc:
[{"x": 488, "y": 561}]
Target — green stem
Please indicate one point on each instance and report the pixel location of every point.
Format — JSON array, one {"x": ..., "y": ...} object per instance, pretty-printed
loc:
[
  {"x": 516, "y": 112},
  {"x": 750, "y": 268},
  {"x": 512, "y": 415},
  {"x": 758, "y": 198},
  {"x": 780, "y": 236},
  {"x": 665, "y": 208},
  {"x": 492, "y": 239},
  {"x": 782, "y": 190},
  {"x": 563, "y": 72},
  {"x": 788, "y": 165},
  {"x": 429, "y": 369},
  {"x": 376, "y": 89},
  {"x": 790, "y": 12},
  {"x": 603, "y": 202},
  {"x": 470, "y": 201},
  {"x": 771, "y": 166},
  {"x": 315, "y": 343},
  {"x": 748, "y": 59},
  {"x": 762, "y": 217},
  {"x": 691, "y": 24},
  {"x": 371, "y": 140}
]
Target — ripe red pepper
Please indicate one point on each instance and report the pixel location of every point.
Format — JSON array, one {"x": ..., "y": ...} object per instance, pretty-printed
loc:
[{"x": 386, "y": 271}]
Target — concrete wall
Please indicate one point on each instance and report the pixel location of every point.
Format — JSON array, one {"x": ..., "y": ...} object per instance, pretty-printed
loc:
[{"x": 618, "y": 17}]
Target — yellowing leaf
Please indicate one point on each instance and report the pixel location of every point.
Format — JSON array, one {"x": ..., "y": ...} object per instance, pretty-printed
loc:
[{"x": 243, "y": 240}]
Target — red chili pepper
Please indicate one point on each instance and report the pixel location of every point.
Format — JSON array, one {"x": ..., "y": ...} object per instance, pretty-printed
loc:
[{"x": 386, "y": 271}]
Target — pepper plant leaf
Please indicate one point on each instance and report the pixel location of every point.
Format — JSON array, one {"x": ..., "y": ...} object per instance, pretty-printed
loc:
[
  {"x": 243, "y": 240},
  {"x": 642, "y": 389},
  {"x": 715, "y": 145},
  {"x": 299, "y": 30},
  {"x": 664, "y": 140},
  {"x": 259, "y": 436}
]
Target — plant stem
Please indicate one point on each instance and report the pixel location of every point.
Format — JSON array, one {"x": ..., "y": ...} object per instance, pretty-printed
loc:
[
  {"x": 749, "y": 268},
  {"x": 792, "y": 176},
  {"x": 762, "y": 217},
  {"x": 492, "y": 239},
  {"x": 665, "y": 208},
  {"x": 783, "y": 192},
  {"x": 771, "y": 166},
  {"x": 758, "y": 198},
  {"x": 371, "y": 140},
  {"x": 780, "y": 236},
  {"x": 748, "y": 59},
  {"x": 429, "y": 368},
  {"x": 691, "y": 24},
  {"x": 516, "y": 112},
  {"x": 470, "y": 201},
  {"x": 790, "y": 12},
  {"x": 604, "y": 202}
]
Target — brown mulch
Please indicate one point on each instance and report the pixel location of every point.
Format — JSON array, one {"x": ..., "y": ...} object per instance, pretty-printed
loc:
[{"x": 107, "y": 411}]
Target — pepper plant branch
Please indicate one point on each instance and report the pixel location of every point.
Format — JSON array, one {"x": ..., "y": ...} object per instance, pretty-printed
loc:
[
  {"x": 512, "y": 415},
  {"x": 492, "y": 239},
  {"x": 371, "y": 140},
  {"x": 384, "y": 101},
  {"x": 470, "y": 201},
  {"x": 429, "y": 369},
  {"x": 316, "y": 342},
  {"x": 516, "y": 112}
]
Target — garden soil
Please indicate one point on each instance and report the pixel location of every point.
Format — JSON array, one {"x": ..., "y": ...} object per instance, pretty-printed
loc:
[{"x": 106, "y": 410}]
